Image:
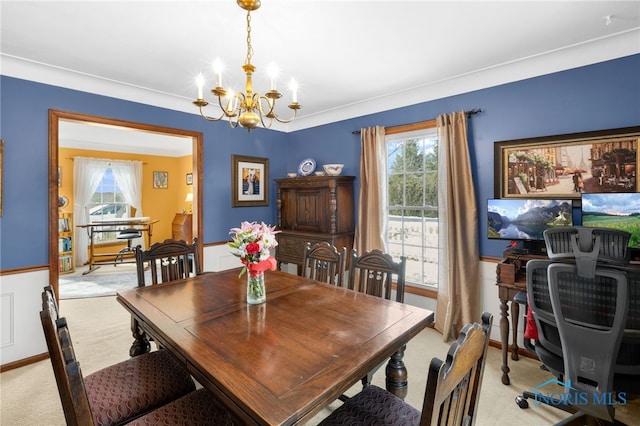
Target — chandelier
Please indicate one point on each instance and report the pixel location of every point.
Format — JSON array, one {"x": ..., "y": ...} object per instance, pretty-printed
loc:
[{"x": 249, "y": 107}]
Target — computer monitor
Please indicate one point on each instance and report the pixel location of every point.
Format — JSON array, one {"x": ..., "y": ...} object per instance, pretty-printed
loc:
[
  {"x": 525, "y": 219},
  {"x": 616, "y": 210}
]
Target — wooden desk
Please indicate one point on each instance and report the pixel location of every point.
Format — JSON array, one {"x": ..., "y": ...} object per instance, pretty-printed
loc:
[
  {"x": 281, "y": 362},
  {"x": 511, "y": 279},
  {"x": 142, "y": 224}
]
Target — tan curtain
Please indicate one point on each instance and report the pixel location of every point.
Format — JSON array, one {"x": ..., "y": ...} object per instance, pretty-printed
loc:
[
  {"x": 369, "y": 228},
  {"x": 459, "y": 259}
]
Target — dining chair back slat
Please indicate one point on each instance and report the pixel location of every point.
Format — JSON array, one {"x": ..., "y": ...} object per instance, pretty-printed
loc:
[
  {"x": 169, "y": 260},
  {"x": 323, "y": 262},
  {"x": 374, "y": 272}
]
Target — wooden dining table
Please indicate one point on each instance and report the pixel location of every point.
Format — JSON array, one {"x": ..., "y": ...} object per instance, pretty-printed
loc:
[{"x": 280, "y": 362}]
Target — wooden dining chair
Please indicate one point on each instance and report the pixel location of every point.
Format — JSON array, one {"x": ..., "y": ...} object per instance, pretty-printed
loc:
[
  {"x": 169, "y": 260},
  {"x": 451, "y": 396},
  {"x": 323, "y": 262},
  {"x": 115, "y": 394},
  {"x": 166, "y": 261},
  {"x": 375, "y": 271}
]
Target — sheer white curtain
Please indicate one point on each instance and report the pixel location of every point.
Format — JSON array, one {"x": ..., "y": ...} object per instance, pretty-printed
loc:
[
  {"x": 128, "y": 176},
  {"x": 87, "y": 173}
]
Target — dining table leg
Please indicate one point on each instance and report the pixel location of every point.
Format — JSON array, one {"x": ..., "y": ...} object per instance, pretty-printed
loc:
[
  {"x": 140, "y": 343},
  {"x": 396, "y": 372}
]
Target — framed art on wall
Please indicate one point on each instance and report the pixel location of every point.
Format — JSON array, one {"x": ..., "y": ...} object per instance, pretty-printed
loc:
[
  {"x": 249, "y": 181},
  {"x": 189, "y": 178},
  {"x": 565, "y": 166},
  {"x": 160, "y": 180}
]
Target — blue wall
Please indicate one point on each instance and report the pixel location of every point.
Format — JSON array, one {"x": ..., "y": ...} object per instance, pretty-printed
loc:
[
  {"x": 24, "y": 128},
  {"x": 595, "y": 97}
]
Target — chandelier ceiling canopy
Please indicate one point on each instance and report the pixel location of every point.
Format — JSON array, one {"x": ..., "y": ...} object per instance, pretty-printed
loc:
[{"x": 248, "y": 109}]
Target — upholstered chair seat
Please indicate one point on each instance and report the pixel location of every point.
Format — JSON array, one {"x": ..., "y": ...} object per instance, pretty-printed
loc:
[
  {"x": 133, "y": 387},
  {"x": 374, "y": 406},
  {"x": 195, "y": 409}
]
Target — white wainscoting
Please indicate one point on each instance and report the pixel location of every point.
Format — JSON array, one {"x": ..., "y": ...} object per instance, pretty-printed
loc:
[{"x": 22, "y": 335}]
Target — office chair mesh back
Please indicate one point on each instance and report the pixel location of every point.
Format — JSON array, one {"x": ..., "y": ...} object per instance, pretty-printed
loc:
[
  {"x": 629, "y": 354},
  {"x": 590, "y": 314},
  {"x": 540, "y": 303}
]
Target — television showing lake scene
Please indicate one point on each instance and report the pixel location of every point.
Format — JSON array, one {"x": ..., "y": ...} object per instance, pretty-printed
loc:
[
  {"x": 613, "y": 210},
  {"x": 526, "y": 219}
]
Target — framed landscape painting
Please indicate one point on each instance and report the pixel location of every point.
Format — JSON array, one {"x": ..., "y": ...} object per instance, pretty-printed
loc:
[{"x": 566, "y": 166}]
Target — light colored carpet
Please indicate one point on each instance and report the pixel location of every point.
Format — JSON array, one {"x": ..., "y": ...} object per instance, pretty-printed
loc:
[
  {"x": 104, "y": 281},
  {"x": 100, "y": 328}
]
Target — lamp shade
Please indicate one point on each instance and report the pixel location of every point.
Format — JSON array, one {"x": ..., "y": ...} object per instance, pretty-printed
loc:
[{"x": 189, "y": 197}]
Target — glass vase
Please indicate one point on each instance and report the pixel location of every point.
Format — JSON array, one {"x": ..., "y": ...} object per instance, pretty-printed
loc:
[{"x": 256, "y": 292}]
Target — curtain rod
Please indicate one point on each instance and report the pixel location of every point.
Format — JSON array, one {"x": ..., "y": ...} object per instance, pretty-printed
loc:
[
  {"x": 468, "y": 113},
  {"x": 106, "y": 159}
]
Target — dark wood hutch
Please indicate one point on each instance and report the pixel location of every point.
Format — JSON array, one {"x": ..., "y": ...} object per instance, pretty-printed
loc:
[{"x": 314, "y": 209}]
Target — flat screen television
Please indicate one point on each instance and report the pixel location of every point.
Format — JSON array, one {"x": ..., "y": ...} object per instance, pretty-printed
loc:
[
  {"x": 617, "y": 210},
  {"x": 519, "y": 219}
]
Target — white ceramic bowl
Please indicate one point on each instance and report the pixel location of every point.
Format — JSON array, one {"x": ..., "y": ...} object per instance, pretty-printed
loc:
[
  {"x": 333, "y": 169},
  {"x": 292, "y": 174}
]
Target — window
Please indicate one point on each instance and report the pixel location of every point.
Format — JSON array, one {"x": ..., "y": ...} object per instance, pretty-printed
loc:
[
  {"x": 107, "y": 203},
  {"x": 412, "y": 203}
]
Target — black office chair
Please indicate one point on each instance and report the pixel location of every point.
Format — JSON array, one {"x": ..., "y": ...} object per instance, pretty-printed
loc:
[
  {"x": 586, "y": 306},
  {"x": 129, "y": 235}
]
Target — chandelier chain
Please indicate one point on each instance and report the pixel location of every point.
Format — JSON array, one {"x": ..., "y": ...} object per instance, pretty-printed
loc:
[{"x": 249, "y": 47}]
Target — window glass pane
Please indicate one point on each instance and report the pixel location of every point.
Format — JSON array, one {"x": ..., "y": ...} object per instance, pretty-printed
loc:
[
  {"x": 412, "y": 196},
  {"x": 107, "y": 203}
]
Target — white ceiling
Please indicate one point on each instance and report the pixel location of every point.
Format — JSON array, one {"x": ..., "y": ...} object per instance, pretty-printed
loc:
[{"x": 349, "y": 57}]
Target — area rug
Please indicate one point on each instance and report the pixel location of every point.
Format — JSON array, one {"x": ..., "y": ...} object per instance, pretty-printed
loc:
[{"x": 98, "y": 285}]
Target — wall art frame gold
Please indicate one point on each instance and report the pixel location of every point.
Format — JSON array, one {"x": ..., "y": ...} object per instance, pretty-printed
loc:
[{"x": 565, "y": 166}]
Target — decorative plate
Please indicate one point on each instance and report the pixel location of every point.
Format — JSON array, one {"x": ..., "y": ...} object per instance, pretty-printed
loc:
[{"x": 307, "y": 167}]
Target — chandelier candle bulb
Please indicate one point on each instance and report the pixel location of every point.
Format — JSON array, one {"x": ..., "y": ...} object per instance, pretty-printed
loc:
[
  {"x": 217, "y": 68},
  {"x": 273, "y": 73},
  {"x": 200, "y": 83},
  {"x": 294, "y": 91}
]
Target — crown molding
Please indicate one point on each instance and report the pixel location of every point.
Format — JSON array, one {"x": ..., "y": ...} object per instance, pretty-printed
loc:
[{"x": 600, "y": 50}]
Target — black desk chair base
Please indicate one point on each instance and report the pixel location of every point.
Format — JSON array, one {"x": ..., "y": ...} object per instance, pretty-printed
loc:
[{"x": 129, "y": 235}]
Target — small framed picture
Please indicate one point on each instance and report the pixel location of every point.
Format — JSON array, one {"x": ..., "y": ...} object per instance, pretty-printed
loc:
[
  {"x": 160, "y": 180},
  {"x": 249, "y": 181},
  {"x": 189, "y": 178}
]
